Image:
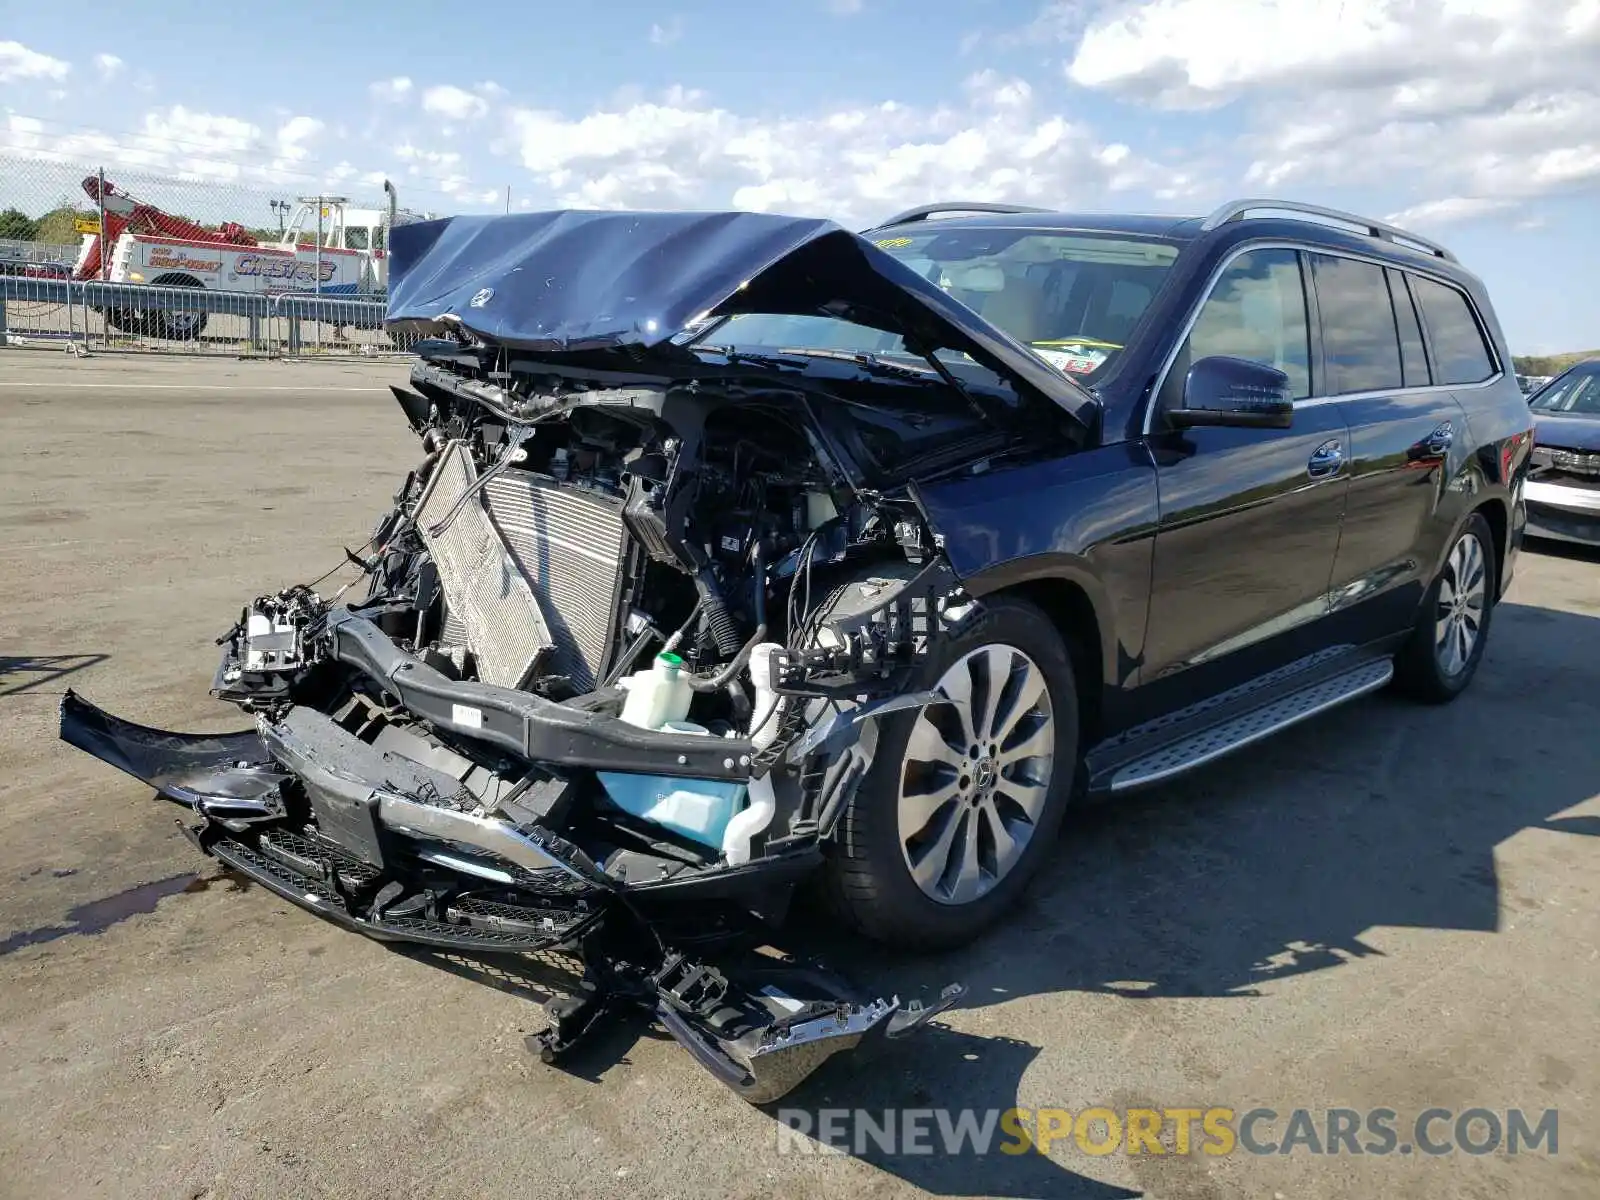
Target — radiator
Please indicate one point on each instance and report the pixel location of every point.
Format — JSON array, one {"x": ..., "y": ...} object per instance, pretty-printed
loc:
[
  {"x": 571, "y": 546},
  {"x": 483, "y": 588}
]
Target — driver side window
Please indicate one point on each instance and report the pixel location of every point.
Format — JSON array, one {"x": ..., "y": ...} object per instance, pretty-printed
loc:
[{"x": 1257, "y": 310}]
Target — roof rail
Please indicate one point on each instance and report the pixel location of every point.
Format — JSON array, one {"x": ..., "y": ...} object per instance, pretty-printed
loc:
[
  {"x": 924, "y": 211},
  {"x": 1236, "y": 209}
]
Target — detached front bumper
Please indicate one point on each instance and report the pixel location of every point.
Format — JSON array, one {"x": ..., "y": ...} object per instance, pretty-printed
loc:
[
  {"x": 368, "y": 832},
  {"x": 393, "y": 855}
]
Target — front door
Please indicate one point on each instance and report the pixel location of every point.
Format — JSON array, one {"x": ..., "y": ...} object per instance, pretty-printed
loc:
[{"x": 1250, "y": 518}]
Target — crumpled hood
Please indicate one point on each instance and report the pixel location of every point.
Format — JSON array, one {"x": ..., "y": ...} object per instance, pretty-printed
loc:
[
  {"x": 558, "y": 283},
  {"x": 1567, "y": 432}
]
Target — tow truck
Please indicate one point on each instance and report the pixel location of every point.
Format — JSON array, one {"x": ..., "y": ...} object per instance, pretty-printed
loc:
[{"x": 328, "y": 248}]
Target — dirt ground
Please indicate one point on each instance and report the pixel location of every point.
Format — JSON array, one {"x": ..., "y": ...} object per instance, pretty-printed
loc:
[{"x": 1392, "y": 906}]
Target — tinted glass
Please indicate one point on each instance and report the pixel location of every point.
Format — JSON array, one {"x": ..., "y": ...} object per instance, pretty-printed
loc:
[
  {"x": 1257, "y": 311},
  {"x": 1073, "y": 298},
  {"x": 1578, "y": 391},
  {"x": 1359, "y": 345},
  {"x": 1459, "y": 352},
  {"x": 1413, "y": 356}
]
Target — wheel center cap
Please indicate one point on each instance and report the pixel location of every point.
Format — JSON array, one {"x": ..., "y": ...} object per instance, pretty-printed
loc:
[{"x": 983, "y": 775}]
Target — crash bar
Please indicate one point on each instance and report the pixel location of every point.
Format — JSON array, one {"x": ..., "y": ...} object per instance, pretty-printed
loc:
[
  {"x": 1236, "y": 209},
  {"x": 924, "y": 211}
]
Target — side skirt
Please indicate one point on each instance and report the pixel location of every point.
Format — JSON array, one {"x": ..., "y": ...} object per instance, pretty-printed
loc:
[{"x": 1179, "y": 742}]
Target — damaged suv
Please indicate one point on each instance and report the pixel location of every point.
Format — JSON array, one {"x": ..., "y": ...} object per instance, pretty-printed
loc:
[{"x": 744, "y": 550}]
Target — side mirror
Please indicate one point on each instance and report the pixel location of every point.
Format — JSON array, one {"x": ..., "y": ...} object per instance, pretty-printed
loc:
[{"x": 1234, "y": 392}]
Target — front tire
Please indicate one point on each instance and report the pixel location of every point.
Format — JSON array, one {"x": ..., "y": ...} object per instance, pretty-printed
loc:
[
  {"x": 962, "y": 802},
  {"x": 1441, "y": 656}
]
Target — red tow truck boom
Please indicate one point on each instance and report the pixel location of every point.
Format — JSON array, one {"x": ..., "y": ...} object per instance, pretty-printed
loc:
[{"x": 125, "y": 213}]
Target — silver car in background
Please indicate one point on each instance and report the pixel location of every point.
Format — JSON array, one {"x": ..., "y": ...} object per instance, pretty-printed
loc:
[{"x": 1563, "y": 489}]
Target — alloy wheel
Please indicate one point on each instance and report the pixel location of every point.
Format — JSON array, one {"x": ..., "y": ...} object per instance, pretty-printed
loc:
[
  {"x": 976, "y": 774},
  {"x": 1458, "y": 616}
]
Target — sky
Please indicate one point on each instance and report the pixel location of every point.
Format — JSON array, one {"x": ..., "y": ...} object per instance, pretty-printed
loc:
[{"x": 1476, "y": 122}]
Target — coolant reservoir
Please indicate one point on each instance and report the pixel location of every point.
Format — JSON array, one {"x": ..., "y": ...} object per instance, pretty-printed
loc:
[{"x": 658, "y": 695}]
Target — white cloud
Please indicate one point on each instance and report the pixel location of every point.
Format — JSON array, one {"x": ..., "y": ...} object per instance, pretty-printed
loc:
[
  {"x": 1448, "y": 210},
  {"x": 391, "y": 91},
  {"x": 17, "y": 62},
  {"x": 439, "y": 169},
  {"x": 1463, "y": 106},
  {"x": 665, "y": 35},
  {"x": 293, "y": 135},
  {"x": 208, "y": 165},
  {"x": 431, "y": 159},
  {"x": 109, "y": 66},
  {"x": 852, "y": 163},
  {"x": 457, "y": 104}
]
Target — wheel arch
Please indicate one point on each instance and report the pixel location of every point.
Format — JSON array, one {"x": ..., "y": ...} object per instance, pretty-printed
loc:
[
  {"x": 1495, "y": 512},
  {"x": 1076, "y": 605},
  {"x": 176, "y": 279}
]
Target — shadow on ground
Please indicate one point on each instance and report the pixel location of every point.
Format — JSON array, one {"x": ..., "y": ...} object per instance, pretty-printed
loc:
[{"x": 24, "y": 673}]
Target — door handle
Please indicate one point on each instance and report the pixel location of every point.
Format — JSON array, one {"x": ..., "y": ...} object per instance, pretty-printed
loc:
[
  {"x": 1325, "y": 460},
  {"x": 1441, "y": 438}
]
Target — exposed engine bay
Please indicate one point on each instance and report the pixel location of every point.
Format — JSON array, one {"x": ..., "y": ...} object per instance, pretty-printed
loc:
[{"x": 605, "y": 678}]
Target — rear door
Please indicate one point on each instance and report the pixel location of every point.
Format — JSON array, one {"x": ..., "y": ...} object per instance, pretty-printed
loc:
[
  {"x": 1249, "y": 517},
  {"x": 1406, "y": 431}
]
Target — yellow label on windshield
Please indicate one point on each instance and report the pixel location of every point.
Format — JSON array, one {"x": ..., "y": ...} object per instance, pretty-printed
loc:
[
  {"x": 1079, "y": 341},
  {"x": 892, "y": 243}
]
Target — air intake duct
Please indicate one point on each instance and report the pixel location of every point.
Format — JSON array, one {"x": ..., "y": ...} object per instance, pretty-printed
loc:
[{"x": 715, "y": 620}]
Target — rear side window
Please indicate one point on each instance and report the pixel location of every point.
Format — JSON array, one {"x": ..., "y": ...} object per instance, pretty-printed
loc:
[
  {"x": 1413, "y": 355},
  {"x": 1360, "y": 346},
  {"x": 1460, "y": 354},
  {"x": 1257, "y": 311}
]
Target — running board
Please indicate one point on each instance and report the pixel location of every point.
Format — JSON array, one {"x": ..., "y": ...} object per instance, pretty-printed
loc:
[{"x": 1242, "y": 729}]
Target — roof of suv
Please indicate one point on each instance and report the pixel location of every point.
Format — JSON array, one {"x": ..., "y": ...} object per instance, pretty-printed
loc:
[
  {"x": 1312, "y": 222},
  {"x": 1144, "y": 225}
]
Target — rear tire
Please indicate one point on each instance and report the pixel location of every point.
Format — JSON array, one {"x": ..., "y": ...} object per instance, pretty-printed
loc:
[
  {"x": 1446, "y": 645},
  {"x": 977, "y": 804},
  {"x": 175, "y": 324}
]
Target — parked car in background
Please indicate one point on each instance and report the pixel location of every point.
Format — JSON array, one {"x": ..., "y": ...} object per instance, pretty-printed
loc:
[{"x": 1563, "y": 489}]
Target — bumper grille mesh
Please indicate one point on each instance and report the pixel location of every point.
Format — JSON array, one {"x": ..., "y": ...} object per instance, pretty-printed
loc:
[{"x": 570, "y": 544}]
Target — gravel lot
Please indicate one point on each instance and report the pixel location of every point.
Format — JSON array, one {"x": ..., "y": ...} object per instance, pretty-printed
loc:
[{"x": 1390, "y": 907}]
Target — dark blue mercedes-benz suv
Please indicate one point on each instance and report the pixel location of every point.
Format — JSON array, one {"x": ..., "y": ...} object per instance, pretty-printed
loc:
[{"x": 742, "y": 550}]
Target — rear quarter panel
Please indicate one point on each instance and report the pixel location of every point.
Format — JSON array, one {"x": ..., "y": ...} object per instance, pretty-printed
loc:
[{"x": 1502, "y": 437}]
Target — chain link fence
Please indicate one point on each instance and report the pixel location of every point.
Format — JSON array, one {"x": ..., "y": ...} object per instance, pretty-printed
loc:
[{"x": 110, "y": 259}]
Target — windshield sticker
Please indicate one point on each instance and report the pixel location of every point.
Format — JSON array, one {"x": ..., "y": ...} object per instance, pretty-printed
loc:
[
  {"x": 1079, "y": 363},
  {"x": 1078, "y": 344},
  {"x": 892, "y": 243}
]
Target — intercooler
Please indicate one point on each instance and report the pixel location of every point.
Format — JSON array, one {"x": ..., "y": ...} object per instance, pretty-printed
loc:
[
  {"x": 571, "y": 545},
  {"x": 561, "y": 547}
]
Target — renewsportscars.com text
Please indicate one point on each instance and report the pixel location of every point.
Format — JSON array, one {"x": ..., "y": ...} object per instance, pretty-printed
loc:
[{"x": 1214, "y": 1131}]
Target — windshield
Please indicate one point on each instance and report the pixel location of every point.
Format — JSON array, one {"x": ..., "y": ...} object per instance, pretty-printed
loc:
[
  {"x": 1073, "y": 298},
  {"x": 1578, "y": 391}
]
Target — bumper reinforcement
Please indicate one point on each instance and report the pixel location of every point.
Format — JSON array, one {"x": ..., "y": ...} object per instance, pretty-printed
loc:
[{"x": 529, "y": 726}]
